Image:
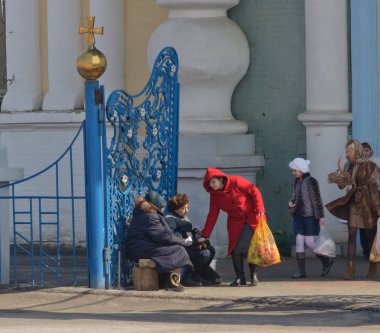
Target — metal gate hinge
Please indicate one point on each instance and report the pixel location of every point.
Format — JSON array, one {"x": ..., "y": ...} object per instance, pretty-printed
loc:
[
  {"x": 98, "y": 96},
  {"x": 106, "y": 255}
]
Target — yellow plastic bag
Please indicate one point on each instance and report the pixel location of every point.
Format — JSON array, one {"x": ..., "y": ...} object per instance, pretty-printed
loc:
[
  {"x": 374, "y": 256},
  {"x": 263, "y": 249}
]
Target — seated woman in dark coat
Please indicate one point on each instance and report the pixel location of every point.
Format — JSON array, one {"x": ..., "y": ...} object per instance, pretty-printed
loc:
[
  {"x": 201, "y": 252},
  {"x": 149, "y": 237}
]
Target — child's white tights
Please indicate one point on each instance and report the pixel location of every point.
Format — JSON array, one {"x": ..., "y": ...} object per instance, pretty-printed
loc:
[{"x": 301, "y": 240}]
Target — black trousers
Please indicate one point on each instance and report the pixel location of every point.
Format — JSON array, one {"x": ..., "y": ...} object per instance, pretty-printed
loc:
[{"x": 200, "y": 258}]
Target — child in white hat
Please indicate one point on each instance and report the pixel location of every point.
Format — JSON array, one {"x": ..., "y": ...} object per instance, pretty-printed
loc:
[{"x": 306, "y": 207}]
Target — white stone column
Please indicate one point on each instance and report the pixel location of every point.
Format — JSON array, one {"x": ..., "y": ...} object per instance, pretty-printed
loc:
[
  {"x": 110, "y": 15},
  {"x": 23, "y": 56},
  {"x": 327, "y": 111},
  {"x": 64, "y": 46},
  {"x": 7, "y": 174},
  {"x": 213, "y": 57}
]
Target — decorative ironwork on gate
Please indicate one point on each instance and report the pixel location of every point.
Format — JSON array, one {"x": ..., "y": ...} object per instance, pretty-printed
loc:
[
  {"x": 143, "y": 152},
  {"x": 55, "y": 210}
]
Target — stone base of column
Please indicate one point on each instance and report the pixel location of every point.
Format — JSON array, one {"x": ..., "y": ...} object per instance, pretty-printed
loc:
[
  {"x": 14, "y": 101},
  {"x": 63, "y": 100},
  {"x": 199, "y": 127},
  {"x": 233, "y": 154}
]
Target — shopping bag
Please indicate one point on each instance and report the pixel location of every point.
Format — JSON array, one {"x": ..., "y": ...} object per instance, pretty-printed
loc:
[
  {"x": 324, "y": 244},
  {"x": 377, "y": 241},
  {"x": 263, "y": 250},
  {"x": 374, "y": 256}
]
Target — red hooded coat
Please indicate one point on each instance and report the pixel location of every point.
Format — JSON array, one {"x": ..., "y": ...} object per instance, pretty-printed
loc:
[{"x": 240, "y": 199}]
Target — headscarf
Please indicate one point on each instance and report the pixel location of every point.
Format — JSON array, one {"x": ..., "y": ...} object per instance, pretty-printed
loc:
[
  {"x": 156, "y": 200},
  {"x": 300, "y": 164},
  {"x": 358, "y": 148}
]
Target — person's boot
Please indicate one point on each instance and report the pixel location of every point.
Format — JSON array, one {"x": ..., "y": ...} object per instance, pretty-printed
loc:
[
  {"x": 209, "y": 276},
  {"x": 350, "y": 270},
  {"x": 300, "y": 257},
  {"x": 326, "y": 264},
  {"x": 173, "y": 282},
  {"x": 188, "y": 280},
  {"x": 237, "y": 261},
  {"x": 372, "y": 271},
  {"x": 254, "y": 270}
]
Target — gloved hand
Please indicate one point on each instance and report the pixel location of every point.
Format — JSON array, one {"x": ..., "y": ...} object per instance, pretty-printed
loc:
[{"x": 188, "y": 241}]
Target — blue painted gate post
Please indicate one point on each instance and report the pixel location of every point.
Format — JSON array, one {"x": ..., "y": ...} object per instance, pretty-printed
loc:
[
  {"x": 91, "y": 64},
  {"x": 94, "y": 189}
]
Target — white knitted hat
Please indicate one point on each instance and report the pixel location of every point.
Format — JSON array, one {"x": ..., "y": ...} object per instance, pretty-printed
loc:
[{"x": 300, "y": 164}]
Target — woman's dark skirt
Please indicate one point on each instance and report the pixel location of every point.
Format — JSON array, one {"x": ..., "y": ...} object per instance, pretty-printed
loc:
[
  {"x": 306, "y": 226},
  {"x": 244, "y": 240}
]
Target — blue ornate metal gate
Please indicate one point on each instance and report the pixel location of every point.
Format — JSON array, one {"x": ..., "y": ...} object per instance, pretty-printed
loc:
[{"x": 142, "y": 154}]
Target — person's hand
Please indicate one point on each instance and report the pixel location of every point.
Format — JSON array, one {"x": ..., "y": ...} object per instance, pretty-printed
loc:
[
  {"x": 291, "y": 204},
  {"x": 321, "y": 221},
  {"x": 188, "y": 241},
  {"x": 189, "y": 234}
]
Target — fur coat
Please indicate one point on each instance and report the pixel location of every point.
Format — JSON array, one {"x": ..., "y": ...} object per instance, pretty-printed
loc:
[
  {"x": 362, "y": 202},
  {"x": 307, "y": 198}
]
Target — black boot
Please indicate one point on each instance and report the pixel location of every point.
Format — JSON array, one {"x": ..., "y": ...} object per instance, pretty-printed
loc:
[
  {"x": 253, "y": 270},
  {"x": 237, "y": 261},
  {"x": 326, "y": 264},
  {"x": 188, "y": 280},
  {"x": 300, "y": 256}
]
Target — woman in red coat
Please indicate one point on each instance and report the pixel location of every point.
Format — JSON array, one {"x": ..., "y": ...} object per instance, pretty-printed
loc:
[{"x": 242, "y": 202}]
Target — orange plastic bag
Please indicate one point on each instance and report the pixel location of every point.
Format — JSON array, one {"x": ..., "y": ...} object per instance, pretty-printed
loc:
[{"x": 263, "y": 250}]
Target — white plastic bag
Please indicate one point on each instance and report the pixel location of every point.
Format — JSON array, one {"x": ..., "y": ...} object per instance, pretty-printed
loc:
[
  {"x": 377, "y": 246},
  {"x": 325, "y": 245}
]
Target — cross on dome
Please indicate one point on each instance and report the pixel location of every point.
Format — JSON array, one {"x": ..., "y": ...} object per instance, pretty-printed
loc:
[{"x": 90, "y": 30}]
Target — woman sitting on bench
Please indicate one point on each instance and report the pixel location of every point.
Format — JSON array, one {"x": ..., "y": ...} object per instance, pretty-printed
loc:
[
  {"x": 149, "y": 237},
  {"x": 201, "y": 252}
]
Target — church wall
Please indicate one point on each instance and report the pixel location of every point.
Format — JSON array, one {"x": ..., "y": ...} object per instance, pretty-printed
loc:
[
  {"x": 52, "y": 136},
  {"x": 269, "y": 97},
  {"x": 272, "y": 94},
  {"x": 44, "y": 47},
  {"x": 142, "y": 17}
]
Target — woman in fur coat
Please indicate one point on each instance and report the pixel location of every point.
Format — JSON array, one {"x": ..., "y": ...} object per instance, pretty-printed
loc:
[
  {"x": 306, "y": 207},
  {"x": 361, "y": 204},
  {"x": 242, "y": 202}
]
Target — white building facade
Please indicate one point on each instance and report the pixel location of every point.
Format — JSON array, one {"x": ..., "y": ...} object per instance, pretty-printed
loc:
[{"x": 43, "y": 106}]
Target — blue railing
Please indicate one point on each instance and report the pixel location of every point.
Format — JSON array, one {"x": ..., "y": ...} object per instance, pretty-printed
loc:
[{"x": 50, "y": 210}]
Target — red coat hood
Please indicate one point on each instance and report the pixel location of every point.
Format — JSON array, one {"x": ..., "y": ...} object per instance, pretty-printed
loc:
[{"x": 211, "y": 173}]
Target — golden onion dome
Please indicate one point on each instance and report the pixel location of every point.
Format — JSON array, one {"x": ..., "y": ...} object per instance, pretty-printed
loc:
[{"x": 91, "y": 63}]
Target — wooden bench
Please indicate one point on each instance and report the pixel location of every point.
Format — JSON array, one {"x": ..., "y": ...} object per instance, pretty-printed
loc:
[{"x": 145, "y": 276}]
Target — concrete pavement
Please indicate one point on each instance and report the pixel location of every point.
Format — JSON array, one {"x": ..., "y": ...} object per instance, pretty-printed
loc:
[
  {"x": 39, "y": 312},
  {"x": 276, "y": 288}
]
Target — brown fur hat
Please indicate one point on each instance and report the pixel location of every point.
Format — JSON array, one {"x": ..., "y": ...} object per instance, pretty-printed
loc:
[{"x": 177, "y": 202}]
